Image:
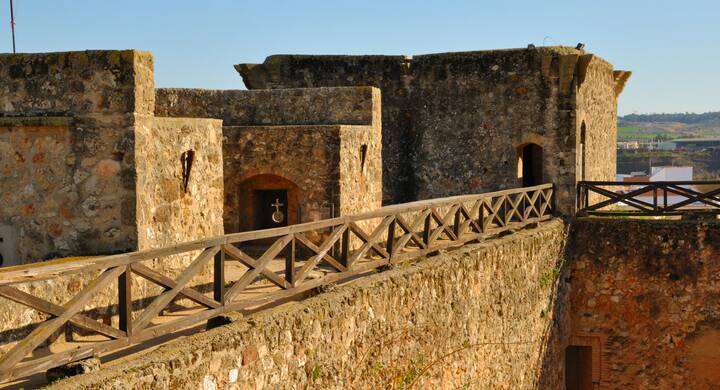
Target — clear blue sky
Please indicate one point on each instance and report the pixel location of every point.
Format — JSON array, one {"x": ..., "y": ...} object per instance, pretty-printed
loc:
[{"x": 673, "y": 47}]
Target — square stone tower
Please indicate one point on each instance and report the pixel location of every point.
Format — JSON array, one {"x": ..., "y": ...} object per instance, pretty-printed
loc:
[{"x": 85, "y": 166}]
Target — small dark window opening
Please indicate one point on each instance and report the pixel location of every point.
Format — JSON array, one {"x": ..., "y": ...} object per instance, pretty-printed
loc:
[
  {"x": 186, "y": 161},
  {"x": 582, "y": 151},
  {"x": 578, "y": 368},
  {"x": 363, "y": 155}
]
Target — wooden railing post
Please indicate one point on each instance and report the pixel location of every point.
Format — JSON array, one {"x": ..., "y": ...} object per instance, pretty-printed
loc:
[
  {"x": 456, "y": 222},
  {"x": 391, "y": 238},
  {"x": 125, "y": 301},
  {"x": 426, "y": 230},
  {"x": 290, "y": 262},
  {"x": 655, "y": 198},
  {"x": 345, "y": 248},
  {"x": 219, "y": 277},
  {"x": 481, "y": 215},
  {"x": 578, "y": 197}
]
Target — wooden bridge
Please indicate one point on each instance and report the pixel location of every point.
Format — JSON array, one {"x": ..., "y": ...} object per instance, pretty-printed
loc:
[{"x": 244, "y": 271}]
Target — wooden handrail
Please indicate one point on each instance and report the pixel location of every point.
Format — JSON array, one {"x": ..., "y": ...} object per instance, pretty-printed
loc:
[
  {"x": 647, "y": 198},
  {"x": 341, "y": 247}
]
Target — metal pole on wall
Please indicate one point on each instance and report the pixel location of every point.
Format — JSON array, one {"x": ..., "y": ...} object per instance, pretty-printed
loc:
[{"x": 12, "y": 24}]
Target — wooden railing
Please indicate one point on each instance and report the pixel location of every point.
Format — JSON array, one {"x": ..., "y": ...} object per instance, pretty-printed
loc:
[
  {"x": 276, "y": 264},
  {"x": 648, "y": 198}
]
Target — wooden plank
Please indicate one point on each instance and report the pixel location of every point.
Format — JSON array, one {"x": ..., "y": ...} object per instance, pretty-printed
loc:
[
  {"x": 345, "y": 248},
  {"x": 47, "y": 328},
  {"x": 218, "y": 281},
  {"x": 365, "y": 238},
  {"x": 662, "y": 183},
  {"x": 390, "y": 240},
  {"x": 531, "y": 203},
  {"x": 627, "y": 198},
  {"x": 44, "y": 306},
  {"x": 169, "y": 284},
  {"x": 125, "y": 301},
  {"x": 410, "y": 229},
  {"x": 61, "y": 267},
  {"x": 320, "y": 253},
  {"x": 249, "y": 262},
  {"x": 371, "y": 240},
  {"x": 166, "y": 297},
  {"x": 290, "y": 255},
  {"x": 283, "y": 231},
  {"x": 693, "y": 197},
  {"x": 304, "y": 241},
  {"x": 426, "y": 229},
  {"x": 443, "y": 224},
  {"x": 261, "y": 263}
]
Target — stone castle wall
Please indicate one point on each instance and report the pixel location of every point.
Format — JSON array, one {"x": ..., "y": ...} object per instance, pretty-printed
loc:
[
  {"x": 84, "y": 170},
  {"x": 473, "y": 318},
  {"x": 302, "y": 106},
  {"x": 452, "y": 122},
  {"x": 387, "y": 73},
  {"x": 360, "y": 170},
  {"x": 473, "y": 111},
  {"x": 308, "y": 156},
  {"x": 310, "y": 137},
  {"x": 597, "y": 111},
  {"x": 167, "y": 212},
  {"x": 644, "y": 295}
]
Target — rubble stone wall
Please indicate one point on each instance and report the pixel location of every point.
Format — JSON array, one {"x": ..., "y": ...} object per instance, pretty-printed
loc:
[
  {"x": 387, "y": 73},
  {"x": 597, "y": 111},
  {"x": 170, "y": 211},
  {"x": 453, "y": 122},
  {"x": 322, "y": 161},
  {"x": 472, "y": 113},
  {"x": 645, "y": 296},
  {"x": 84, "y": 169},
  {"x": 303, "y": 106},
  {"x": 360, "y": 170},
  {"x": 473, "y": 318}
]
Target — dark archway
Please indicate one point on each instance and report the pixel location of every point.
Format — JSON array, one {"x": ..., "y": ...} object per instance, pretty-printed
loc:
[
  {"x": 267, "y": 201},
  {"x": 530, "y": 158}
]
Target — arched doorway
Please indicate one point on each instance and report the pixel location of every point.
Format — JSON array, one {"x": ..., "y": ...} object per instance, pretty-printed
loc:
[
  {"x": 530, "y": 157},
  {"x": 267, "y": 201}
]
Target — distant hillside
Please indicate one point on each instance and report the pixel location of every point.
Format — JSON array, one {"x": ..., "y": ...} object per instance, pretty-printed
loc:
[
  {"x": 687, "y": 118},
  {"x": 668, "y": 126}
]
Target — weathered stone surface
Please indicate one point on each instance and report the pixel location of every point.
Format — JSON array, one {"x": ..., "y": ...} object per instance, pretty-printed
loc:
[
  {"x": 68, "y": 183},
  {"x": 302, "y": 106},
  {"x": 167, "y": 212},
  {"x": 322, "y": 161},
  {"x": 323, "y": 144},
  {"x": 104, "y": 177},
  {"x": 646, "y": 294},
  {"x": 453, "y": 122},
  {"x": 476, "y": 317}
]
